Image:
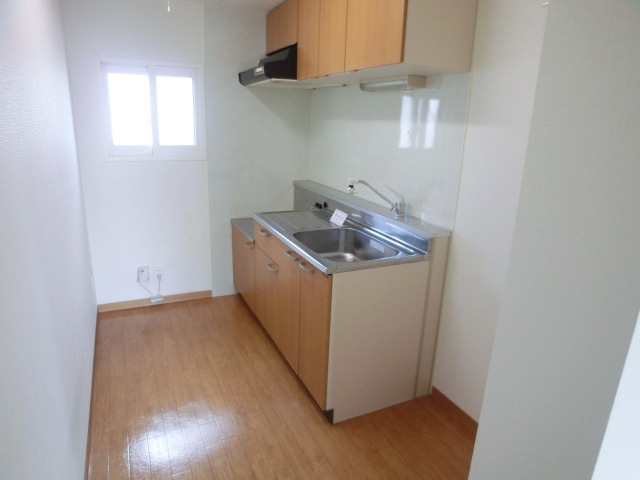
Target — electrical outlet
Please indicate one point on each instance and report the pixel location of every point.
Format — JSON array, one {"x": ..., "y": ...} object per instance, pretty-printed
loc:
[
  {"x": 159, "y": 272},
  {"x": 143, "y": 274}
]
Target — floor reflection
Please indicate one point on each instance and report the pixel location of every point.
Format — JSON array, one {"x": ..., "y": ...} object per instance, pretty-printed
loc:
[{"x": 172, "y": 442}]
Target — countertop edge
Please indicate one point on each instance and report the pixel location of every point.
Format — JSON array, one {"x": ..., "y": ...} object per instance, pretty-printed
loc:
[{"x": 245, "y": 225}]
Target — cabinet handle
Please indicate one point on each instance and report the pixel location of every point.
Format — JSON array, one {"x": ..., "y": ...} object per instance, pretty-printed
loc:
[
  {"x": 290, "y": 255},
  {"x": 271, "y": 268},
  {"x": 305, "y": 269},
  {"x": 248, "y": 245},
  {"x": 264, "y": 233}
]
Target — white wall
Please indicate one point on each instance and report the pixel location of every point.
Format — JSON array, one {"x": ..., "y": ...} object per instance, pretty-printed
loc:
[
  {"x": 47, "y": 307},
  {"x": 618, "y": 457},
  {"x": 573, "y": 282},
  {"x": 409, "y": 141},
  {"x": 505, "y": 64},
  {"x": 257, "y": 138},
  {"x": 138, "y": 213},
  {"x": 256, "y": 145},
  {"x": 358, "y": 134}
]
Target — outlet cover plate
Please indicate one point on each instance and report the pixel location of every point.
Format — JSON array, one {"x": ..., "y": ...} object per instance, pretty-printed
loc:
[{"x": 143, "y": 274}]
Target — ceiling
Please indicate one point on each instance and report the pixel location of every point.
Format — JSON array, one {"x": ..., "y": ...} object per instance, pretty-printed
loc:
[{"x": 263, "y": 5}]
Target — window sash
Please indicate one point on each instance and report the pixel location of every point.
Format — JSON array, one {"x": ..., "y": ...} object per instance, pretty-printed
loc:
[{"x": 155, "y": 151}]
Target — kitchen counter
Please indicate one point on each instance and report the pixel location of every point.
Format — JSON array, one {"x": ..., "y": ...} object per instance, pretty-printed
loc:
[
  {"x": 364, "y": 338},
  {"x": 245, "y": 225}
]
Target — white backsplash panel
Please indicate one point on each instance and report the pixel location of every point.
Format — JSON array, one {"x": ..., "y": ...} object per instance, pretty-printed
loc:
[{"x": 409, "y": 140}]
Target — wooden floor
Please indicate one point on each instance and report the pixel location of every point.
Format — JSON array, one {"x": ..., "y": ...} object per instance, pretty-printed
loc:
[{"x": 196, "y": 390}]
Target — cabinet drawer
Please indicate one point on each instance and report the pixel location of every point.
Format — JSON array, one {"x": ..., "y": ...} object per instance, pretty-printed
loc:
[{"x": 265, "y": 239}]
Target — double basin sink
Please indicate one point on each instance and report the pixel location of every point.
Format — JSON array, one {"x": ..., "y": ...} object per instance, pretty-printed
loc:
[{"x": 334, "y": 249}]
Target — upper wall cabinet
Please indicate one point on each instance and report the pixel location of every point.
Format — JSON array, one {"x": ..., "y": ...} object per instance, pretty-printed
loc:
[
  {"x": 420, "y": 37},
  {"x": 282, "y": 26},
  {"x": 375, "y": 33},
  {"x": 308, "y": 38},
  {"x": 322, "y": 27},
  {"x": 332, "y": 36}
]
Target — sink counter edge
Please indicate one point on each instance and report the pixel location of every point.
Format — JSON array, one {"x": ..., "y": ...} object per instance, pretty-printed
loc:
[{"x": 245, "y": 225}]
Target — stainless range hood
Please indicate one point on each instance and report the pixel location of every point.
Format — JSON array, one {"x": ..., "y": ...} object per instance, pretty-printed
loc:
[{"x": 278, "y": 67}]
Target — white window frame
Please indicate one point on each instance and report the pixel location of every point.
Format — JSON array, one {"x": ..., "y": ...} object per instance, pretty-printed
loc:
[{"x": 155, "y": 151}]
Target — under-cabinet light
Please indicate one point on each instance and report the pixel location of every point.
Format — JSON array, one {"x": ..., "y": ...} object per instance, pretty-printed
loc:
[{"x": 407, "y": 82}]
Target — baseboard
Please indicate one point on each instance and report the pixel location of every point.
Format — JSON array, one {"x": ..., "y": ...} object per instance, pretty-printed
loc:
[
  {"x": 144, "y": 302},
  {"x": 87, "y": 458},
  {"x": 442, "y": 398}
]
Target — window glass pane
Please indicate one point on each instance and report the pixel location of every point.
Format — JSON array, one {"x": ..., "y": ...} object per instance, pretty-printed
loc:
[
  {"x": 129, "y": 104},
  {"x": 175, "y": 110}
]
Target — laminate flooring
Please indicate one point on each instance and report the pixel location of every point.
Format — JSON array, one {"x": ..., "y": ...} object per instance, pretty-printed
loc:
[{"x": 197, "y": 390}]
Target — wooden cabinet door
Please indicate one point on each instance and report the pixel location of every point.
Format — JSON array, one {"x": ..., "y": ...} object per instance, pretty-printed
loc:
[
  {"x": 375, "y": 33},
  {"x": 308, "y": 37},
  {"x": 243, "y": 266},
  {"x": 282, "y": 26},
  {"x": 267, "y": 294},
  {"x": 315, "y": 318},
  {"x": 287, "y": 324},
  {"x": 332, "y": 36}
]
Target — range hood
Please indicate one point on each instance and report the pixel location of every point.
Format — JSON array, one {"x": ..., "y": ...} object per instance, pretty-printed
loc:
[
  {"x": 279, "y": 70},
  {"x": 277, "y": 67}
]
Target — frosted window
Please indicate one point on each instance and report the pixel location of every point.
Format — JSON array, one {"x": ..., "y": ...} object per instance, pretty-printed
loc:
[
  {"x": 153, "y": 111},
  {"x": 175, "y": 110},
  {"x": 130, "y": 108}
]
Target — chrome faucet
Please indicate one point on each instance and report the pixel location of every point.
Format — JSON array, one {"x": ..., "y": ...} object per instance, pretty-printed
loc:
[{"x": 398, "y": 208}]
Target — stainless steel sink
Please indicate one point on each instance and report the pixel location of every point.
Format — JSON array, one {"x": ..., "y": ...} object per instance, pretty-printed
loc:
[
  {"x": 345, "y": 245},
  {"x": 354, "y": 246}
]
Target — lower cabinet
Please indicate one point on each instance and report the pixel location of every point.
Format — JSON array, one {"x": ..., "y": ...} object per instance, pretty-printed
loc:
[
  {"x": 292, "y": 301},
  {"x": 359, "y": 341}
]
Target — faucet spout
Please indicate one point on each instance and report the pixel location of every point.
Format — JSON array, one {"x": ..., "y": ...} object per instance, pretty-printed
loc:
[{"x": 398, "y": 208}]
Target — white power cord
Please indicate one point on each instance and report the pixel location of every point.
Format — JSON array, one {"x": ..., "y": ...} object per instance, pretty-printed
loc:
[{"x": 157, "y": 298}]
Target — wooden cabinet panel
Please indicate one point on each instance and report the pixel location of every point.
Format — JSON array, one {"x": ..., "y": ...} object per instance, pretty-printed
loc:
[
  {"x": 315, "y": 318},
  {"x": 294, "y": 307},
  {"x": 308, "y": 31},
  {"x": 375, "y": 33},
  {"x": 277, "y": 287},
  {"x": 267, "y": 291},
  {"x": 243, "y": 266},
  {"x": 282, "y": 26},
  {"x": 287, "y": 325},
  {"x": 332, "y": 36}
]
